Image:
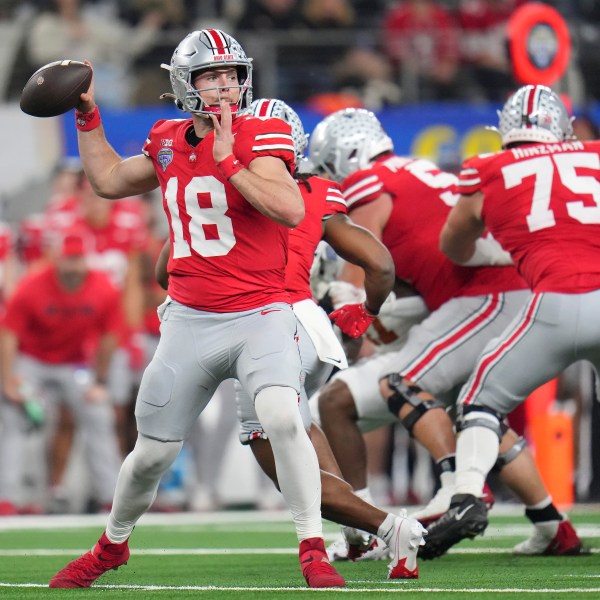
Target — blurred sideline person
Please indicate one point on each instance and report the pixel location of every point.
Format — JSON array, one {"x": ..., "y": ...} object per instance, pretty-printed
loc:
[
  {"x": 320, "y": 349},
  {"x": 56, "y": 342},
  {"x": 539, "y": 198},
  {"x": 116, "y": 234},
  {"x": 230, "y": 202},
  {"x": 8, "y": 263},
  {"x": 405, "y": 202}
]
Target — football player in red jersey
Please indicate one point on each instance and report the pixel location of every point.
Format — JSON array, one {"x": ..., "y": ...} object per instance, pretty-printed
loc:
[
  {"x": 405, "y": 202},
  {"x": 320, "y": 350},
  {"x": 540, "y": 199},
  {"x": 230, "y": 199}
]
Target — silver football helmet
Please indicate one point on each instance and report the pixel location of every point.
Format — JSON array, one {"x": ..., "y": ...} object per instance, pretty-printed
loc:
[
  {"x": 534, "y": 113},
  {"x": 207, "y": 49},
  {"x": 346, "y": 141},
  {"x": 272, "y": 107}
]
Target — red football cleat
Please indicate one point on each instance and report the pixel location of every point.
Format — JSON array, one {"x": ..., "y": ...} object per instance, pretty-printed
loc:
[
  {"x": 83, "y": 571},
  {"x": 551, "y": 538},
  {"x": 488, "y": 496},
  {"x": 316, "y": 568}
]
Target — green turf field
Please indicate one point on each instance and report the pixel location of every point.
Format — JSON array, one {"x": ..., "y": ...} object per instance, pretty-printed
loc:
[{"x": 250, "y": 555}]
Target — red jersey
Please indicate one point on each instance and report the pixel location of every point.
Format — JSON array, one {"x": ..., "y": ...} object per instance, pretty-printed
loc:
[
  {"x": 32, "y": 234},
  {"x": 422, "y": 198},
  {"x": 226, "y": 256},
  {"x": 108, "y": 247},
  {"x": 6, "y": 250},
  {"x": 322, "y": 199},
  {"x": 542, "y": 204},
  {"x": 57, "y": 326},
  {"x": 6, "y": 241}
]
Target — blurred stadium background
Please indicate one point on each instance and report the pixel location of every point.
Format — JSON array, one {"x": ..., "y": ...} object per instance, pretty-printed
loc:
[{"x": 435, "y": 73}]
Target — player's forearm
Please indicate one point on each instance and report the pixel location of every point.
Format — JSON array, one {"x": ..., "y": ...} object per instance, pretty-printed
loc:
[
  {"x": 378, "y": 272},
  {"x": 278, "y": 200},
  {"x": 110, "y": 176},
  {"x": 133, "y": 293},
  {"x": 463, "y": 228},
  {"x": 98, "y": 159},
  {"x": 104, "y": 355},
  {"x": 378, "y": 285},
  {"x": 8, "y": 351},
  {"x": 457, "y": 247},
  {"x": 368, "y": 262}
]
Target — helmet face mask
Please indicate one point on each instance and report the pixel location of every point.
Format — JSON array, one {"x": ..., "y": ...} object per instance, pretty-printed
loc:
[
  {"x": 202, "y": 50},
  {"x": 534, "y": 114},
  {"x": 346, "y": 141},
  {"x": 272, "y": 107}
]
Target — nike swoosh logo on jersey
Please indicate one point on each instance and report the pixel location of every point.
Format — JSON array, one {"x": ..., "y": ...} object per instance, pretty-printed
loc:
[
  {"x": 459, "y": 515},
  {"x": 270, "y": 310}
]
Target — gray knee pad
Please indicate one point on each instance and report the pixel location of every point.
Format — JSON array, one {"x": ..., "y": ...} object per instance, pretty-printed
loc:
[
  {"x": 510, "y": 454},
  {"x": 479, "y": 416},
  {"x": 409, "y": 394}
]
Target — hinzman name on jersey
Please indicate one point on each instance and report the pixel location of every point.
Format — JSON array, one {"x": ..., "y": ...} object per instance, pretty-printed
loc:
[{"x": 540, "y": 149}]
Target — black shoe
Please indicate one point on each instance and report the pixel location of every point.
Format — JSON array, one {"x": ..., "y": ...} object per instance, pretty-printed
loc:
[{"x": 466, "y": 518}]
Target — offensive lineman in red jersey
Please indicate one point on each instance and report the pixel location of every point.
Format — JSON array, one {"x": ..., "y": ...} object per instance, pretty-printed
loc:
[
  {"x": 539, "y": 197},
  {"x": 230, "y": 198},
  {"x": 405, "y": 202}
]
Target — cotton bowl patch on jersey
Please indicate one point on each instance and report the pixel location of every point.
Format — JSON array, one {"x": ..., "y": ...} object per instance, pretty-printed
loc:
[{"x": 165, "y": 157}]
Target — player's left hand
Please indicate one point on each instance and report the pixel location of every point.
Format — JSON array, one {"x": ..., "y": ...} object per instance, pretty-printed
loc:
[
  {"x": 352, "y": 319},
  {"x": 223, "y": 144}
]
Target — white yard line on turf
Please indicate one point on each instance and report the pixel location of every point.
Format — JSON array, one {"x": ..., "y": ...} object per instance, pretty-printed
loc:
[
  {"x": 218, "y": 517},
  {"x": 216, "y": 551},
  {"x": 347, "y": 590}
]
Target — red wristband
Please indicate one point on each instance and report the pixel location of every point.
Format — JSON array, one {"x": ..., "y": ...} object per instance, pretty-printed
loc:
[
  {"x": 229, "y": 166},
  {"x": 87, "y": 121}
]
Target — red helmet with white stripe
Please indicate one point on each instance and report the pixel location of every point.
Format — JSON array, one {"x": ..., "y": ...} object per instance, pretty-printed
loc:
[
  {"x": 272, "y": 107},
  {"x": 534, "y": 113},
  {"x": 208, "y": 49}
]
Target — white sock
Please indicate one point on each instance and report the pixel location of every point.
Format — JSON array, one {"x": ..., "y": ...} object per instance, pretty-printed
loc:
[
  {"x": 386, "y": 529},
  {"x": 476, "y": 453},
  {"x": 137, "y": 484},
  {"x": 447, "y": 479},
  {"x": 296, "y": 461}
]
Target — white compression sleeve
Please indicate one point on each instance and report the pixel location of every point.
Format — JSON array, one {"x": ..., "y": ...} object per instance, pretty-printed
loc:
[
  {"x": 476, "y": 454},
  {"x": 295, "y": 458},
  {"x": 138, "y": 483}
]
